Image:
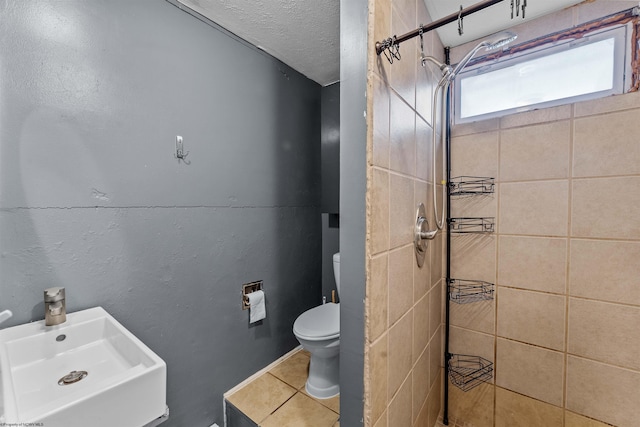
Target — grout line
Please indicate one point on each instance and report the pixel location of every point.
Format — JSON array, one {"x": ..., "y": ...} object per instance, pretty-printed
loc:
[
  {"x": 382, "y": 335},
  {"x": 529, "y": 397},
  {"x": 622, "y": 304},
  {"x": 498, "y": 184},
  {"x": 578, "y": 178},
  {"x": 276, "y": 409},
  {"x": 261, "y": 372},
  {"x": 399, "y": 174},
  {"x": 402, "y": 247},
  {"x": 475, "y": 331},
  {"x": 615, "y": 110},
  {"x": 625, "y": 368},
  {"x": 586, "y": 238},
  {"x": 538, "y": 291},
  {"x": 568, "y": 263},
  {"x": 601, "y": 177},
  {"x": 555, "y": 350}
]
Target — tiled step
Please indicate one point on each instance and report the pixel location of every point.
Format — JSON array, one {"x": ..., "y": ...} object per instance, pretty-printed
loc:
[{"x": 277, "y": 398}]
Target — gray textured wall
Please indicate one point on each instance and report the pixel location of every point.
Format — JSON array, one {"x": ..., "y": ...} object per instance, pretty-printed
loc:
[
  {"x": 330, "y": 245},
  {"x": 92, "y": 95},
  {"x": 330, "y": 151},
  {"x": 330, "y": 168}
]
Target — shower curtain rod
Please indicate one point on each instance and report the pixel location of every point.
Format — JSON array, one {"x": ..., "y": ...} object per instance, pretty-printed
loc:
[{"x": 381, "y": 46}]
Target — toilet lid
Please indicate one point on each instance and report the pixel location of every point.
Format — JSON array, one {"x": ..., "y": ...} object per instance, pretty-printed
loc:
[{"x": 321, "y": 322}]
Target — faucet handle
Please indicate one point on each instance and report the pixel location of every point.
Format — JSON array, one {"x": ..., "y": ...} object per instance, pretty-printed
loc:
[
  {"x": 54, "y": 294},
  {"x": 55, "y": 309},
  {"x": 5, "y": 315}
]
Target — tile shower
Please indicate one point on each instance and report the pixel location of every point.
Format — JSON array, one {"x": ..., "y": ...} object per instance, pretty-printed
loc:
[
  {"x": 403, "y": 349},
  {"x": 561, "y": 329}
]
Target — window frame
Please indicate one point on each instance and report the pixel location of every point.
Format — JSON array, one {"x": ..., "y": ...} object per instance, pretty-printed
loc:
[{"x": 488, "y": 63}]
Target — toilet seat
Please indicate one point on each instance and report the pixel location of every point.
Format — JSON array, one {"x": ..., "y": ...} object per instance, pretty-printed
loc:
[{"x": 319, "y": 323}]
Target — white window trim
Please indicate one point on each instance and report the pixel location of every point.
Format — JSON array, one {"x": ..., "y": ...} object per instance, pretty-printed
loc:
[{"x": 622, "y": 52}]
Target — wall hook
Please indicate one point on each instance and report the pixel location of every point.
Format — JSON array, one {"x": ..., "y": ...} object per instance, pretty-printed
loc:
[
  {"x": 460, "y": 23},
  {"x": 180, "y": 153}
]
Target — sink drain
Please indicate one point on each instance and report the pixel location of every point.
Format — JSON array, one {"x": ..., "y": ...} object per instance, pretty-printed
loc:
[{"x": 72, "y": 377}]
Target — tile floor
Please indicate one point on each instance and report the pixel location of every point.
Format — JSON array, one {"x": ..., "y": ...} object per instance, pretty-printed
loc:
[{"x": 278, "y": 398}]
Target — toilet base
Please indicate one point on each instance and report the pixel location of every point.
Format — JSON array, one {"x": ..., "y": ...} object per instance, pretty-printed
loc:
[
  {"x": 327, "y": 393},
  {"x": 324, "y": 376}
]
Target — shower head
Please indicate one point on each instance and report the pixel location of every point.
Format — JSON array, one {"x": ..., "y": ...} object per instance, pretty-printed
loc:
[
  {"x": 500, "y": 39},
  {"x": 497, "y": 41}
]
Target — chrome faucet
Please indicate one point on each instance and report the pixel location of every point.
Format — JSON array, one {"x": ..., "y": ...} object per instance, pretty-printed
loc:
[{"x": 55, "y": 311}]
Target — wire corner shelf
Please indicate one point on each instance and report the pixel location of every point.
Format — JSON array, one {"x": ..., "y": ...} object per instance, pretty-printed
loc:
[
  {"x": 472, "y": 225},
  {"x": 471, "y": 185},
  {"x": 470, "y": 291},
  {"x": 467, "y": 372}
]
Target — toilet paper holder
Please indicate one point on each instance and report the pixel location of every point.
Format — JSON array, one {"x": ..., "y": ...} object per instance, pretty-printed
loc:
[{"x": 248, "y": 288}]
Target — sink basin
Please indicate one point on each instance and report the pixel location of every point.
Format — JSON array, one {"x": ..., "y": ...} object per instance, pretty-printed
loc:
[{"x": 124, "y": 385}]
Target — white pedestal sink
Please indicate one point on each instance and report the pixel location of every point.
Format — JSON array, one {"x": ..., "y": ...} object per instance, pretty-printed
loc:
[{"x": 124, "y": 386}]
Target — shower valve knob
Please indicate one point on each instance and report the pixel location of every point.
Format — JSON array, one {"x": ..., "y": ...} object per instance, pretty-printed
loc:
[{"x": 422, "y": 234}]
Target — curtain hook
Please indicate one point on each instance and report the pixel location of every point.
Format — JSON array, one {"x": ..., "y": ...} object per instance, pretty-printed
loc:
[
  {"x": 421, "y": 32},
  {"x": 388, "y": 46},
  {"x": 517, "y": 7},
  {"x": 512, "y": 9},
  {"x": 524, "y": 6},
  {"x": 391, "y": 45},
  {"x": 396, "y": 53},
  {"x": 387, "y": 56},
  {"x": 460, "y": 24}
]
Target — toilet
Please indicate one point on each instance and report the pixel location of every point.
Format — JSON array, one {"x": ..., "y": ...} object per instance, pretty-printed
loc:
[{"x": 318, "y": 331}]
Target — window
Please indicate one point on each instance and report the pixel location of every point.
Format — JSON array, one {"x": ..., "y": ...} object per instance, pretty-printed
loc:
[{"x": 574, "y": 70}]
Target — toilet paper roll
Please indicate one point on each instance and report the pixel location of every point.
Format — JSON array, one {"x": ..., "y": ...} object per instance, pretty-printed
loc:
[{"x": 257, "y": 309}]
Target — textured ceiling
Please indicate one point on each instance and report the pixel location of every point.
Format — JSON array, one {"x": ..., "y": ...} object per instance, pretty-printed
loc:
[
  {"x": 489, "y": 20},
  {"x": 305, "y": 34}
]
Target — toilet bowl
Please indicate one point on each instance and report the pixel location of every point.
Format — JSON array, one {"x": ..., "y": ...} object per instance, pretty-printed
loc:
[{"x": 318, "y": 331}]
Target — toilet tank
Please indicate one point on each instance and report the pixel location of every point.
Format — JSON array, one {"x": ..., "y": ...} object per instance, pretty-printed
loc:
[{"x": 336, "y": 270}]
